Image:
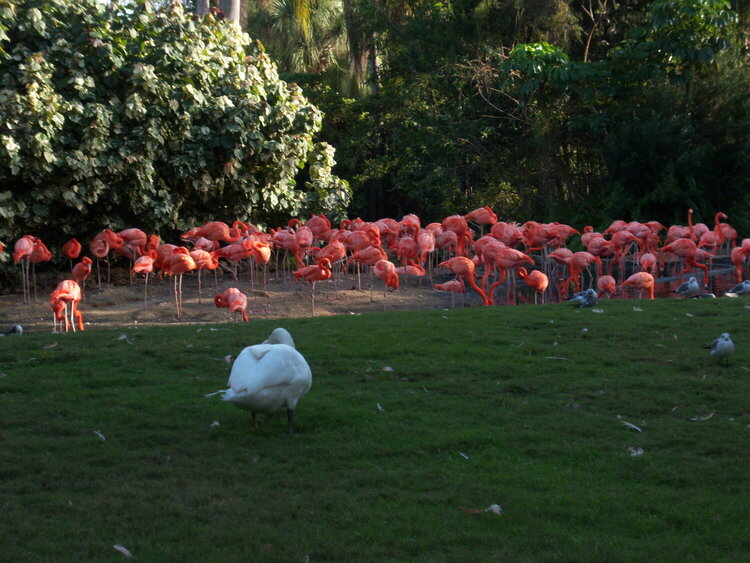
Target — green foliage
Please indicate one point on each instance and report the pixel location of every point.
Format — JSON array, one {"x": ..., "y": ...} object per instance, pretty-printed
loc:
[
  {"x": 396, "y": 435},
  {"x": 131, "y": 117}
]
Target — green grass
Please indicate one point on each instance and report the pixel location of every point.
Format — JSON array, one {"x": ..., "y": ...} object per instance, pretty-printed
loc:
[{"x": 531, "y": 400}]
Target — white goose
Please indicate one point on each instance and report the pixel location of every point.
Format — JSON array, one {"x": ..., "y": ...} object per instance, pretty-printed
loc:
[{"x": 268, "y": 376}]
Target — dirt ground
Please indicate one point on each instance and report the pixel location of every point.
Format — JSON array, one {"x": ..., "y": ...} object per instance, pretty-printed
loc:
[{"x": 120, "y": 304}]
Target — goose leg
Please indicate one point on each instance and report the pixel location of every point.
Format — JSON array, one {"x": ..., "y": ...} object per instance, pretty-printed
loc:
[{"x": 290, "y": 421}]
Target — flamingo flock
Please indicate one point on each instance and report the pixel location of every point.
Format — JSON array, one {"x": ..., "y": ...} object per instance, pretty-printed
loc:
[{"x": 482, "y": 254}]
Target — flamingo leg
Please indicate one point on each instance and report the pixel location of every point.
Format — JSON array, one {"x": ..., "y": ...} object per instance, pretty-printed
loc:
[
  {"x": 312, "y": 298},
  {"x": 200, "y": 292},
  {"x": 145, "y": 293}
]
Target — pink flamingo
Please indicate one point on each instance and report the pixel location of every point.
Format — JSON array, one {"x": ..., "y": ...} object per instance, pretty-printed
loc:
[
  {"x": 144, "y": 264},
  {"x": 452, "y": 286},
  {"x": 67, "y": 291},
  {"x": 72, "y": 249},
  {"x": 536, "y": 280},
  {"x": 385, "y": 271},
  {"x": 176, "y": 265},
  {"x": 313, "y": 274},
  {"x": 606, "y": 285},
  {"x": 464, "y": 268},
  {"x": 234, "y": 300},
  {"x": 22, "y": 253},
  {"x": 642, "y": 281}
]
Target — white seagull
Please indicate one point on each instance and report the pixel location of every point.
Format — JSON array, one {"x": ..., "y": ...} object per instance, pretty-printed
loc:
[
  {"x": 15, "y": 329},
  {"x": 740, "y": 288},
  {"x": 689, "y": 289},
  {"x": 722, "y": 347},
  {"x": 586, "y": 298},
  {"x": 268, "y": 376}
]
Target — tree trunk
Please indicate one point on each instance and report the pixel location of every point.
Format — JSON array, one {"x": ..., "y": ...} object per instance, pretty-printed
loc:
[
  {"x": 201, "y": 7},
  {"x": 231, "y": 9}
]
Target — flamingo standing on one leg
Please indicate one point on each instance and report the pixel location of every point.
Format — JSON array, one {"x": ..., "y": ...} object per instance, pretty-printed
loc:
[
  {"x": 80, "y": 272},
  {"x": 203, "y": 261},
  {"x": 315, "y": 273},
  {"x": 452, "y": 286},
  {"x": 72, "y": 249},
  {"x": 144, "y": 265},
  {"x": 40, "y": 254},
  {"x": 385, "y": 271}
]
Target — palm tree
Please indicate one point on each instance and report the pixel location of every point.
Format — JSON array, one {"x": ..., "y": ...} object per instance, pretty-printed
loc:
[{"x": 303, "y": 35}]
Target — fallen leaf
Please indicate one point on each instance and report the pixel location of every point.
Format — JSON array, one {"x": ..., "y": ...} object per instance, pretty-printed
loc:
[
  {"x": 635, "y": 452},
  {"x": 101, "y": 436},
  {"x": 48, "y": 346}
]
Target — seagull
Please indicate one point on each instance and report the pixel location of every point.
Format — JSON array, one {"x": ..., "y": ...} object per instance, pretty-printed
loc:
[
  {"x": 586, "y": 298},
  {"x": 688, "y": 289},
  {"x": 740, "y": 288},
  {"x": 268, "y": 376},
  {"x": 15, "y": 329},
  {"x": 722, "y": 347}
]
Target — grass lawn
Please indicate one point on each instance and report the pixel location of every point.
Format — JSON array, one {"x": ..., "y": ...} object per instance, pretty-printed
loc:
[{"x": 107, "y": 439}]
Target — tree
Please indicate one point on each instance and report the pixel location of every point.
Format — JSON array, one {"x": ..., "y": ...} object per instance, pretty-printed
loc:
[{"x": 128, "y": 116}]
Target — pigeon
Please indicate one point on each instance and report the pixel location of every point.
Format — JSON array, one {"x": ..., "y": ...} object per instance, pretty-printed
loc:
[
  {"x": 740, "y": 289},
  {"x": 722, "y": 347},
  {"x": 584, "y": 299},
  {"x": 688, "y": 289},
  {"x": 15, "y": 329}
]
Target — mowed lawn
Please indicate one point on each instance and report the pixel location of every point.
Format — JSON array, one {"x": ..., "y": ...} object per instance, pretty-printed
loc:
[{"x": 107, "y": 439}]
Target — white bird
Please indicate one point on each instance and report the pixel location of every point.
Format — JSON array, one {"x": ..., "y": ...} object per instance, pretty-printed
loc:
[
  {"x": 741, "y": 288},
  {"x": 722, "y": 347},
  {"x": 268, "y": 376},
  {"x": 586, "y": 298},
  {"x": 689, "y": 289}
]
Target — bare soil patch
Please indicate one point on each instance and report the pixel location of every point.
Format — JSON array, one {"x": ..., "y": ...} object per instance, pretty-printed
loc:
[{"x": 121, "y": 304}]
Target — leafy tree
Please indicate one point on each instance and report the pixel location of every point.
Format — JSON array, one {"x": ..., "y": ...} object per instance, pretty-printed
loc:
[{"x": 133, "y": 117}]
